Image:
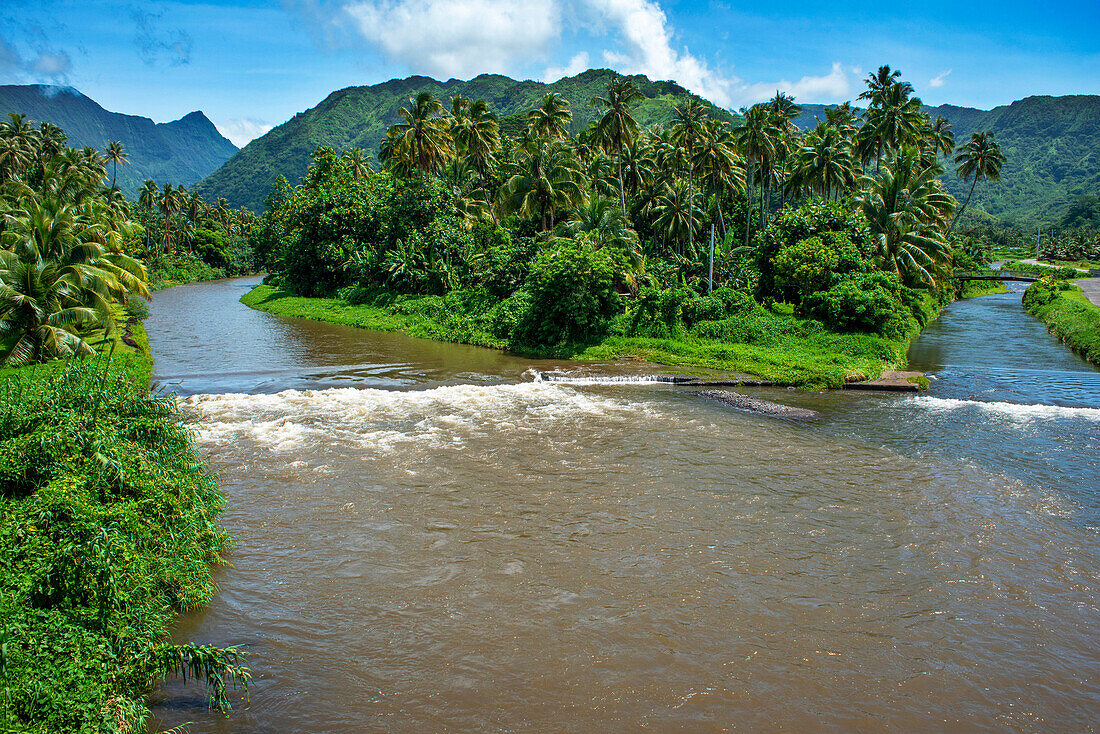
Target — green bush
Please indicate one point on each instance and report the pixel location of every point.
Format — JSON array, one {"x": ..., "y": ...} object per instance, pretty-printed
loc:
[
  {"x": 572, "y": 296},
  {"x": 108, "y": 525},
  {"x": 868, "y": 302}
]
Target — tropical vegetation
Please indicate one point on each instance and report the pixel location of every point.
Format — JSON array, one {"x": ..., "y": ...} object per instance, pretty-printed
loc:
[{"x": 556, "y": 239}]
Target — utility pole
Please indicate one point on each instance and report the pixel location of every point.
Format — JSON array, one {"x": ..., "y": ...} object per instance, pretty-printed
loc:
[
  {"x": 1038, "y": 236},
  {"x": 710, "y": 280}
]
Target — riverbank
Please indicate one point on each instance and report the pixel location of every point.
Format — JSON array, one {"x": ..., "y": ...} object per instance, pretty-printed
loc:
[
  {"x": 108, "y": 527},
  {"x": 1068, "y": 314},
  {"x": 773, "y": 346}
]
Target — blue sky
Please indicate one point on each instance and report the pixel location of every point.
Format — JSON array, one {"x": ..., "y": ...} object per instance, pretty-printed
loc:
[{"x": 250, "y": 64}]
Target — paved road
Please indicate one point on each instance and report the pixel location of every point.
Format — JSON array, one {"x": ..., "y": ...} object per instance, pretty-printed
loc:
[{"x": 1091, "y": 287}]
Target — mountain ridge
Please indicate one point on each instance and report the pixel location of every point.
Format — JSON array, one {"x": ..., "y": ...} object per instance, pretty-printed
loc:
[
  {"x": 182, "y": 151},
  {"x": 358, "y": 116}
]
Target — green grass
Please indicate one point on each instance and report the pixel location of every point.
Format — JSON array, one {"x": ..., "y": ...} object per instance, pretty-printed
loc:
[
  {"x": 789, "y": 353},
  {"x": 1082, "y": 264},
  {"x": 978, "y": 288},
  {"x": 1073, "y": 319}
]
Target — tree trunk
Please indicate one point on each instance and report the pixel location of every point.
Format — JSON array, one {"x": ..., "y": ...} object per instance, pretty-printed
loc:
[
  {"x": 748, "y": 205},
  {"x": 622, "y": 190},
  {"x": 963, "y": 207}
]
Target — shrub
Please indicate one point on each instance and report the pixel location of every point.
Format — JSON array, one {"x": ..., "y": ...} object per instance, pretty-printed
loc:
[
  {"x": 868, "y": 302},
  {"x": 572, "y": 296}
]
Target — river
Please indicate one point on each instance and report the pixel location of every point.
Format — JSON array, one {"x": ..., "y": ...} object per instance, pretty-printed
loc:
[{"x": 429, "y": 539}]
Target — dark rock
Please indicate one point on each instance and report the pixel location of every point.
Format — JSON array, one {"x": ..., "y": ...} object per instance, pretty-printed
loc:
[{"x": 756, "y": 405}]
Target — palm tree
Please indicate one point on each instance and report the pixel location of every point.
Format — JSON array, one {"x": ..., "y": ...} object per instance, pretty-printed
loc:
[
  {"x": 939, "y": 136},
  {"x": 422, "y": 142},
  {"x": 543, "y": 180},
  {"x": 981, "y": 158},
  {"x": 675, "y": 215},
  {"x": 722, "y": 169},
  {"x": 906, "y": 209},
  {"x": 825, "y": 162},
  {"x": 477, "y": 137},
  {"x": 895, "y": 120},
  {"x": 688, "y": 126},
  {"x": 756, "y": 138},
  {"x": 607, "y": 224},
  {"x": 115, "y": 155},
  {"x": 879, "y": 82},
  {"x": 551, "y": 120},
  {"x": 357, "y": 163},
  {"x": 617, "y": 127}
]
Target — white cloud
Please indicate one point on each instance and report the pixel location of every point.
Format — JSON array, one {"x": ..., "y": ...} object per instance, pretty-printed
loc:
[
  {"x": 939, "y": 80},
  {"x": 241, "y": 130},
  {"x": 646, "y": 40},
  {"x": 832, "y": 87},
  {"x": 576, "y": 65},
  {"x": 460, "y": 38}
]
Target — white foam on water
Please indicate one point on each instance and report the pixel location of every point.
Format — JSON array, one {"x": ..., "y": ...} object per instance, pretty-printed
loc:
[
  {"x": 1014, "y": 411},
  {"x": 386, "y": 420},
  {"x": 601, "y": 379}
]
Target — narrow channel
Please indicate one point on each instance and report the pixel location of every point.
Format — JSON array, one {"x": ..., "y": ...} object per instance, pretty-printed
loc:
[{"x": 429, "y": 539}]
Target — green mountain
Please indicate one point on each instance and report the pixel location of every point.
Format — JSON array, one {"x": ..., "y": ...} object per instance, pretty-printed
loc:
[
  {"x": 357, "y": 117},
  {"x": 1052, "y": 146},
  {"x": 181, "y": 152}
]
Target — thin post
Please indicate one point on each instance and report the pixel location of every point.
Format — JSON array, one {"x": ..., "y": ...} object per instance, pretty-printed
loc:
[
  {"x": 710, "y": 280},
  {"x": 1038, "y": 234}
]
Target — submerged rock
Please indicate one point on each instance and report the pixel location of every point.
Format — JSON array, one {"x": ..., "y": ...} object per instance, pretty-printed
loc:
[{"x": 756, "y": 405}]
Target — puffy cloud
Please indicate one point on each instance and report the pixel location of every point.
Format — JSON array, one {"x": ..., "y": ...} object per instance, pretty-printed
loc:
[
  {"x": 939, "y": 80},
  {"x": 241, "y": 130},
  {"x": 834, "y": 86},
  {"x": 55, "y": 65},
  {"x": 576, "y": 65},
  {"x": 460, "y": 38},
  {"x": 646, "y": 41}
]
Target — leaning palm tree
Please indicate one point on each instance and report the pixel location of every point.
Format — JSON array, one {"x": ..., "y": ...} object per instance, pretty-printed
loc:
[
  {"x": 551, "y": 120},
  {"x": 617, "y": 127},
  {"x": 115, "y": 155},
  {"x": 981, "y": 158}
]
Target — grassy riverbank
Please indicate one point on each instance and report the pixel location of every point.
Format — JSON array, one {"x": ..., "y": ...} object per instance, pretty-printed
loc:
[
  {"x": 108, "y": 527},
  {"x": 774, "y": 345},
  {"x": 1068, "y": 314}
]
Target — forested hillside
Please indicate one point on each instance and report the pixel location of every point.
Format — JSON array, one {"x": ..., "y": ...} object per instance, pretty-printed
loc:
[
  {"x": 180, "y": 152},
  {"x": 357, "y": 117},
  {"x": 1052, "y": 147}
]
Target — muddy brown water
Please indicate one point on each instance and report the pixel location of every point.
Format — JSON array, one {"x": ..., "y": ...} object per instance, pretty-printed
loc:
[{"x": 427, "y": 538}]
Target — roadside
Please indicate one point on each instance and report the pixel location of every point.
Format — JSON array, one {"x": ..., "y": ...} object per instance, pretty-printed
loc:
[{"x": 1091, "y": 288}]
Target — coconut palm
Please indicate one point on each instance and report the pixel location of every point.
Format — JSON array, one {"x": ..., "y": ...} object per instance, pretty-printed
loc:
[
  {"x": 981, "y": 158},
  {"x": 477, "y": 137},
  {"x": 421, "y": 143},
  {"x": 906, "y": 209},
  {"x": 674, "y": 215},
  {"x": 543, "y": 180},
  {"x": 551, "y": 120},
  {"x": 688, "y": 126},
  {"x": 356, "y": 163},
  {"x": 894, "y": 121},
  {"x": 879, "y": 82},
  {"x": 756, "y": 139},
  {"x": 616, "y": 127},
  {"x": 722, "y": 170},
  {"x": 115, "y": 155},
  {"x": 824, "y": 163},
  {"x": 939, "y": 137}
]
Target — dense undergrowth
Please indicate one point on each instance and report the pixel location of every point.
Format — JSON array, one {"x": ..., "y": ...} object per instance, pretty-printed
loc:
[
  {"x": 108, "y": 527},
  {"x": 1064, "y": 308},
  {"x": 725, "y": 331}
]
